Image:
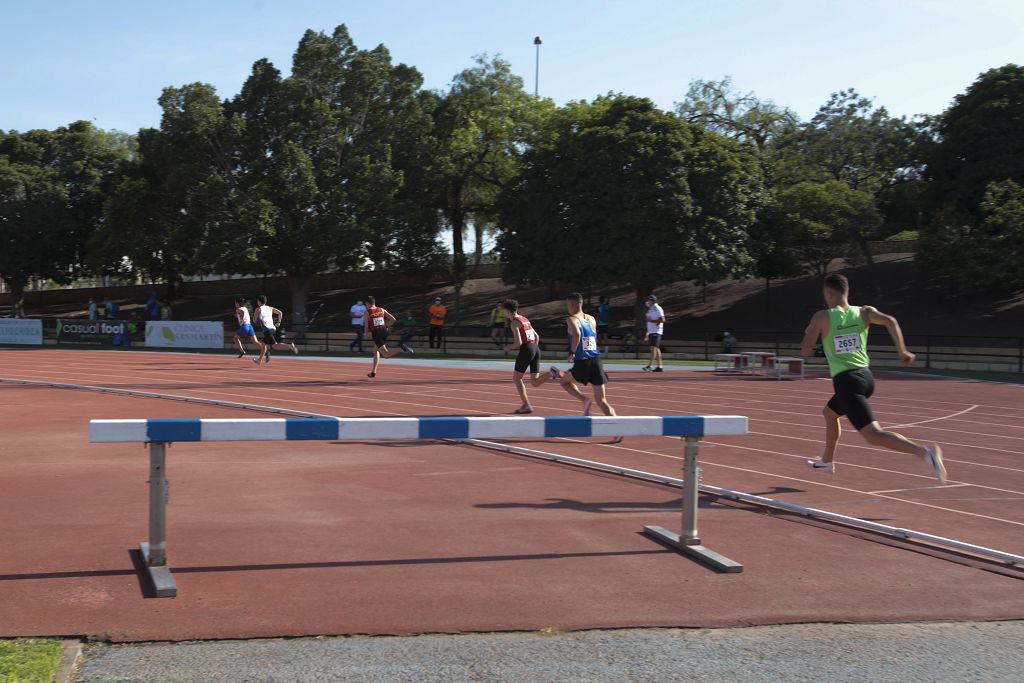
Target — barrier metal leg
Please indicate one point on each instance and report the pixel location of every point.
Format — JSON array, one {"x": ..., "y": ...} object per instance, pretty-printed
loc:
[
  {"x": 688, "y": 541},
  {"x": 154, "y": 552}
]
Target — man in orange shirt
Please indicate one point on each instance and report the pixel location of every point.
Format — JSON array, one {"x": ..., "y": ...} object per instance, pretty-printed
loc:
[{"x": 437, "y": 313}]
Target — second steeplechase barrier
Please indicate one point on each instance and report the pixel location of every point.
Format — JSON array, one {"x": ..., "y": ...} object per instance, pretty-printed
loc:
[{"x": 158, "y": 433}]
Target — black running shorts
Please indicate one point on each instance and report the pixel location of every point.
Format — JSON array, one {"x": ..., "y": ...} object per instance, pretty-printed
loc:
[
  {"x": 269, "y": 338},
  {"x": 529, "y": 357},
  {"x": 853, "y": 389},
  {"x": 380, "y": 337},
  {"x": 589, "y": 371}
]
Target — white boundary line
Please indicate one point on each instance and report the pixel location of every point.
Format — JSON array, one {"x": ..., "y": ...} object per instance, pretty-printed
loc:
[
  {"x": 899, "y": 532},
  {"x": 1004, "y": 557},
  {"x": 935, "y": 419}
]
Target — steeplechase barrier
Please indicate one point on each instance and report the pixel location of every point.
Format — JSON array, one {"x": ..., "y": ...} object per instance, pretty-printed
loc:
[{"x": 158, "y": 433}]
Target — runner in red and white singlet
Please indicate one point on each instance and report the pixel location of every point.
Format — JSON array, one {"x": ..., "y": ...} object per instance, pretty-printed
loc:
[
  {"x": 377, "y": 322},
  {"x": 527, "y": 340}
]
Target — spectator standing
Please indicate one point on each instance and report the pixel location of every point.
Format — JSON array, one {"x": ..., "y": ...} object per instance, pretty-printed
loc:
[
  {"x": 498, "y": 325},
  {"x": 152, "y": 307},
  {"x": 655, "y": 328},
  {"x": 165, "y": 311},
  {"x": 728, "y": 341},
  {"x": 111, "y": 309},
  {"x": 358, "y": 315},
  {"x": 604, "y": 321},
  {"x": 92, "y": 309},
  {"x": 438, "y": 311}
]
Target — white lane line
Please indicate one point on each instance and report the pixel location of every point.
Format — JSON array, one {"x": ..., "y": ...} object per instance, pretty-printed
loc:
[
  {"x": 796, "y": 479},
  {"x": 922, "y": 488},
  {"x": 934, "y": 419}
]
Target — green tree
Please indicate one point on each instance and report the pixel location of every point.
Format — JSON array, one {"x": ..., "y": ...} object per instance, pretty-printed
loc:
[
  {"x": 167, "y": 203},
  {"x": 318, "y": 173},
  {"x": 717, "y": 106},
  {"x": 625, "y": 193},
  {"x": 852, "y": 142},
  {"x": 979, "y": 140},
  {"x": 977, "y": 145},
  {"x": 823, "y": 218},
  {"x": 483, "y": 123},
  {"x": 52, "y": 188},
  {"x": 985, "y": 254},
  {"x": 773, "y": 246}
]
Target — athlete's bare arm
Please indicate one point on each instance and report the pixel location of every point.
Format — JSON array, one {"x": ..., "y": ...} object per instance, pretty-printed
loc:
[
  {"x": 276, "y": 315},
  {"x": 818, "y": 327},
  {"x": 872, "y": 316},
  {"x": 389, "y": 319},
  {"x": 516, "y": 325},
  {"x": 572, "y": 324}
]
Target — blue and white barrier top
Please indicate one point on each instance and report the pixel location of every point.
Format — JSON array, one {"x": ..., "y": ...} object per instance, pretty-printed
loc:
[{"x": 330, "y": 429}]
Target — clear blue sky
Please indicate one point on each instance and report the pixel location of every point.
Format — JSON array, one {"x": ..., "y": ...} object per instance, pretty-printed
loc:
[{"x": 107, "y": 60}]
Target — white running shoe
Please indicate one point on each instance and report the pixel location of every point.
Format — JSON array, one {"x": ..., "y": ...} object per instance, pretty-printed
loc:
[
  {"x": 646, "y": 368},
  {"x": 556, "y": 374},
  {"x": 933, "y": 456},
  {"x": 820, "y": 464}
]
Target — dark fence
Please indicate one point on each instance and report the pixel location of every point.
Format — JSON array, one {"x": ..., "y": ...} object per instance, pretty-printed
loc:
[{"x": 934, "y": 351}]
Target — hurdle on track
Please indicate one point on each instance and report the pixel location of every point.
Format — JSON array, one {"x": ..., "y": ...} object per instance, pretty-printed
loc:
[{"x": 160, "y": 432}]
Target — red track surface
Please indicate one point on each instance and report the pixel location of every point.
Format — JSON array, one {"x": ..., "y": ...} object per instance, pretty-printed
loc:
[{"x": 270, "y": 539}]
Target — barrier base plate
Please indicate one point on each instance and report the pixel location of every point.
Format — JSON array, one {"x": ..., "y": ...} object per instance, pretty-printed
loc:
[
  {"x": 699, "y": 552},
  {"x": 163, "y": 582}
]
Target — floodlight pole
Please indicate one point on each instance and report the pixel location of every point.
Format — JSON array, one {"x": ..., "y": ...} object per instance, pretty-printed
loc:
[{"x": 536, "y": 73}]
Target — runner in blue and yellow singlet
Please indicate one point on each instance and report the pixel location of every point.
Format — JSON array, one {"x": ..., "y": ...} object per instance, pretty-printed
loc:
[
  {"x": 843, "y": 330},
  {"x": 585, "y": 358}
]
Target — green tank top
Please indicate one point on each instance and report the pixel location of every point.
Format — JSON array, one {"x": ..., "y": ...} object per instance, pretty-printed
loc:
[{"x": 846, "y": 342}]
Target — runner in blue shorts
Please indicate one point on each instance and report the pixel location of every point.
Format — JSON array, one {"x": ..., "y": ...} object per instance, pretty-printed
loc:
[{"x": 245, "y": 330}]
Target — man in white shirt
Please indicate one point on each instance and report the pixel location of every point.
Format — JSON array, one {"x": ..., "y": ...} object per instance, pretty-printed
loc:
[
  {"x": 655, "y": 328},
  {"x": 358, "y": 315}
]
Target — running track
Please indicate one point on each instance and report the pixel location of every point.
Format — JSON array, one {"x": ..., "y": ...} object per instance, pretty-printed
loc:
[{"x": 71, "y": 511}]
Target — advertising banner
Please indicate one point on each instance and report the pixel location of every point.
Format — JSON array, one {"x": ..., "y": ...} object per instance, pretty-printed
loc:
[
  {"x": 100, "y": 332},
  {"x": 184, "y": 334},
  {"x": 18, "y": 331}
]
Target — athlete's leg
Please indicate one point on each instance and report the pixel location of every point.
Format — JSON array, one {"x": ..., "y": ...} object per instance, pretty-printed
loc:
[
  {"x": 876, "y": 436},
  {"x": 517, "y": 379},
  {"x": 376, "y": 359},
  {"x": 241, "y": 349},
  {"x": 601, "y": 399},
  {"x": 570, "y": 386},
  {"x": 832, "y": 432},
  {"x": 656, "y": 355}
]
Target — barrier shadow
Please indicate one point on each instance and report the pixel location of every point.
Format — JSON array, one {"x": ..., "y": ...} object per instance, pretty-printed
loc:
[
  {"x": 616, "y": 507},
  {"x": 146, "y": 589}
]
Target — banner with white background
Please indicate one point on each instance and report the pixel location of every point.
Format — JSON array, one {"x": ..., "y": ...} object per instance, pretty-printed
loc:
[
  {"x": 19, "y": 331},
  {"x": 184, "y": 334}
]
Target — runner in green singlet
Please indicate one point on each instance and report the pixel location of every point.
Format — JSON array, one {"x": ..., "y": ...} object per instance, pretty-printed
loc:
[{"x": 843, "y": 330}]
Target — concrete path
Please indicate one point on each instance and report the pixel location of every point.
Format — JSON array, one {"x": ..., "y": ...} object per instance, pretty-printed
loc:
[{"x": 992, "y": 652}]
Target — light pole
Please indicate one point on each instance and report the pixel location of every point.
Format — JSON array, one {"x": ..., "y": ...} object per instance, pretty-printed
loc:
[{"x": 536, "y": 73}]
